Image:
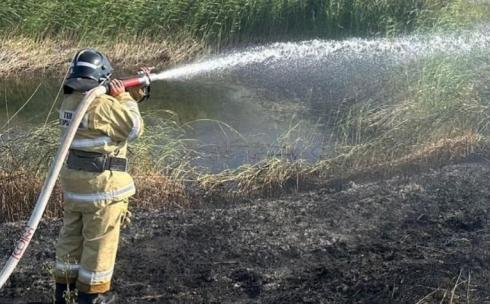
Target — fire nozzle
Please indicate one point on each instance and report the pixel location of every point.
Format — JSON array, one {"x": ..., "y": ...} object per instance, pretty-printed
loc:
[{"x": 140, "y": 80}]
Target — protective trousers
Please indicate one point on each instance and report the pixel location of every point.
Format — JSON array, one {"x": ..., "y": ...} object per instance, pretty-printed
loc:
[{"x": 87, "y": 247}]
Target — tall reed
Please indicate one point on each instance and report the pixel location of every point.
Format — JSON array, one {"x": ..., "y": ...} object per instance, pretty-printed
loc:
[{"x": 221, "y": 22}]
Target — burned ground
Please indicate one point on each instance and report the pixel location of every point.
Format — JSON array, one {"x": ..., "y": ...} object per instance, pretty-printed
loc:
[{"x": 410, "y": 239}]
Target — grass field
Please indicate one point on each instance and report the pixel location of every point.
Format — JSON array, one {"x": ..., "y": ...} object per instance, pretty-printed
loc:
[
  {"x": 218, "y": 21},
  {"x": 40, "y": 36},
  {"x": 433, "y": 112}
]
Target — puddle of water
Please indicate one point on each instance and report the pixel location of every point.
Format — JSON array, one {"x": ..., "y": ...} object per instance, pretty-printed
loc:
[{"x": 231, "y": 125}]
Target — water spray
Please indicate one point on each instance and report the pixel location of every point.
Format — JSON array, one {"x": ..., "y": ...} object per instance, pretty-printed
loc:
[{"x": 312, "y": 55}]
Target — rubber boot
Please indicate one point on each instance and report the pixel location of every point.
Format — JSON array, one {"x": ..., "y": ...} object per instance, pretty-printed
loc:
[
  {"x": 59, "y": 293},
  {"x": 96, "y": 298}
]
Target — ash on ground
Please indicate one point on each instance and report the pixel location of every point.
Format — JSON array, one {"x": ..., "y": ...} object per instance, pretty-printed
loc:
[{"x": 414, "y": 239}]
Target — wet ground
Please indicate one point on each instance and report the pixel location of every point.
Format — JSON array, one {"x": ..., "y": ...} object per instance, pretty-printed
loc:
[{"x": 412, "y": 239}]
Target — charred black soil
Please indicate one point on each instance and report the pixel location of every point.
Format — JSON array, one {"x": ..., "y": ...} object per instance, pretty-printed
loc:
[{"x": 412, "y": 239}]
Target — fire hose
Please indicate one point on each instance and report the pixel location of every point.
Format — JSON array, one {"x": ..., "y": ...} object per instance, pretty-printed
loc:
[{"x": 55, "y": 168}]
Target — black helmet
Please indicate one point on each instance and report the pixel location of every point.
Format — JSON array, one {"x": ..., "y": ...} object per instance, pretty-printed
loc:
[
  {"x": 88, "y": 69},
  {"x": 91, "y": 64}
]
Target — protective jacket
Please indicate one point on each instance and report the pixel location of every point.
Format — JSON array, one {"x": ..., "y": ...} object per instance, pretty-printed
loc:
[
  {"x": 106, "y": 128},
  {"x": 95, "y": 202}
]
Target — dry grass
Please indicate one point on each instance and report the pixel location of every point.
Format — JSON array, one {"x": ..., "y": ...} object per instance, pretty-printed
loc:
[
  {"x": 18, "y": 194},
  {"x": 429, "y": 155},
  {"x": 270, "y": 178},
  {"x": 22, "y": 56},
  {"x": 186, "y": 187},
  {"x": 157, "y": 191},
  {"x": 458, "y": 291},
  {"x": 275, "y": 177},
  {"x": 19, "y": 191}
]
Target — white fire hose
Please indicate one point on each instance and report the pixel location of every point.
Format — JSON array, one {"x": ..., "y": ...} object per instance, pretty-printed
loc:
[{"x": 49, "y": 184}]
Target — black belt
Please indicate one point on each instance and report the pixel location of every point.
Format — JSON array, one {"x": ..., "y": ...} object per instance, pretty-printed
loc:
[{"x": 95, "y": 162}]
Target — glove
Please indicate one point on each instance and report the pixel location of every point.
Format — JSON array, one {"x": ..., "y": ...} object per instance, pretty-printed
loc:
[
  {"x": 142, "y": 93},
  {"x": 126, "y": 219}
]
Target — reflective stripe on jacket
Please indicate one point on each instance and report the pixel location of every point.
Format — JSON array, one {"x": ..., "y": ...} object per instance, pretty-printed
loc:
[{"x": 106, "y": 128}]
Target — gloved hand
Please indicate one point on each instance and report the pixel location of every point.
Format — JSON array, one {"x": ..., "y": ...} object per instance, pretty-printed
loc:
[
  {"x": 116, "y": 87},
  {"x": 139, "y": 94},
  {"x": 126, "y": 219},
  {"x": 146, "y": 70},
  {"x": 142, "y": 93}
]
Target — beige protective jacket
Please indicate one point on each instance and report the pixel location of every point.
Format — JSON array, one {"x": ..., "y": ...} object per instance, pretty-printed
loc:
[{"x": 107, "y": 127}]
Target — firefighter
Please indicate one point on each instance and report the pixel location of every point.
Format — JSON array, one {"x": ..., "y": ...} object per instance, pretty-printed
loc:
[{"x": 95, "y": 182}]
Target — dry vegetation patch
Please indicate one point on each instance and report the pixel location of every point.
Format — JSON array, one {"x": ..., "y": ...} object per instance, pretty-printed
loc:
[{"x": 24, "y": 56}]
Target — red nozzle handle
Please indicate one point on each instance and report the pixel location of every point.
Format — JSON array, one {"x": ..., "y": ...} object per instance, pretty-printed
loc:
[{"x": 137, "y": 81}]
